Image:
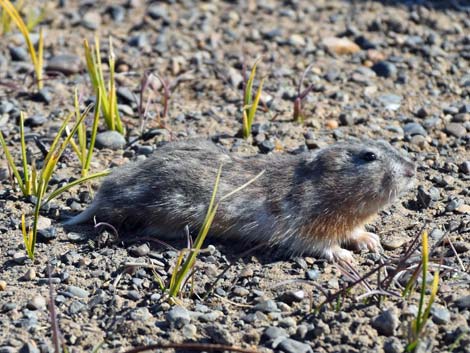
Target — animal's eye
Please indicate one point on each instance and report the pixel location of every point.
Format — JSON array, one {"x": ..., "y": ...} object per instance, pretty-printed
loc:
[{"x": 369, "y": 156}]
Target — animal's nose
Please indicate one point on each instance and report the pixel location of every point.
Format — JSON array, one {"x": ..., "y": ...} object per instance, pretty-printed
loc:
[{"x": 410, "y": 171}]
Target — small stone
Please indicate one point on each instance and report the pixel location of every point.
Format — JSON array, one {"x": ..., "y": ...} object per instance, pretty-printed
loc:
[
  {"x": 331, "y": 124},
  {"x": 465, "y": 167},
  {"x": 436, "y": 234},
  {"x": 267, "y": 306},
  {"x": 455, "y": 129},
  {"x": 385, "y": 69},
  {"x": 392, "y": 244},
  {"x": 91, "y": 20},
  {"x": 189, "y": 331},
  {"x": 386, "y": 323},
  {"x": 346, "y": 119},
  {"x": 141, "y": 250},
  {"x": 37, "y": 303},
  {"x": 241, "y": 291},
  {"x": 235, "y": 79},
  {"x": 18, "y": 54},
  {"x": 312, "y": 274},
  {"x": 390, "y": 101},
  {"x": 110, "y": 139},
  {"x": 296, "y": 40},
  {"x": 464, "y": 209},
  {"x": 46, "y": 235},
  {"x": 412, "y": 129},
  {"x": 393, "y": 345},
  {"x": 66, "y": 64},
  {"x": 29, "y": 275},
  {"x": 289, "y": 345},
  {"x": 453, "y": 205},
  {"x": 125, "y": 95},
  {"x": 3, "y": 285},
  {"x": 29, "y": 347},
  {"x": 43, "y": 95},
  {"x": 77, "y": 292},
  {"x": 273, "y": 333},
  {"x": 463, "y": 303},
  {"x": 76, "y": 307},
  {"x": 117, "y": 12},
  {"x": 440, "y": 314},
  {"x": 266, "y": 146},
  {"x": 340, "y": 46},
  {"x": 76, "y": 237},
  {"x": 292, "y": 296},
  {"x": 157, "y": 12},
  {"x": 35, "y": 120},
  {"x": 177, "y": 317}
]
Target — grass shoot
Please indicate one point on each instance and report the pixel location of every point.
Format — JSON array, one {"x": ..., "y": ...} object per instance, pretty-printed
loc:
[
  {"x": 36, "y": 56},
  {"x": 108, "y": 96},
  {"x": 187, "y": 258},
  {"x": 250, "y": 102},
  {"x": 83, "y": 151},
  {"x": 299, "y": 115},
  {"x": 418, "y": 324}
]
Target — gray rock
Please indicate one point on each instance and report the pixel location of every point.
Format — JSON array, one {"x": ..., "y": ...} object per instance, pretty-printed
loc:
[
  {"x": 463, "y": 303},
  {"x": 385, "y": 69},
  {"x": 76, "y": 307},
  {"x": 292, "y": 296},
  {"x": 273, "y": 333},
  {"x": 465, "y": 167},
  {"x": 18, "y": 54},
  {"x": 440, "y": 314},
  {"x": 289, "y": 345},
  {"x": 37, "y": 303},
  {"x": 67, "y": 64},
  {"x": 412, "y": 129},
  {"x": 312, "y": 274},
  {"x": 453, "y": 205},
  {"x": 189, "y": 331},
  {"x": 76, "y": 292},
  {"x": 386, "y": 323},
  {"x": 177, "y": 317},
  {"x": 393, "y": 345},
  {"x": 141, "y": 250},
  {"x": 91, "y": 20},
  {"x": 139, "y": 40},
  {"x": 75, "y": 237},
  {"x": 8, "y": 349},
  {"x": 156, "y": 12},
  {"x": 6, "y": 107},
  {"x": 267, "y": 306},
  {"x": 266, "y": 146},
  {"x": 46, "y": 235},
  {"x": 455, "y": 129},
  {"x": 390, "y": 101},
  {"x": 117, "y": 13},
  {"x": 35, "y": 120},
  {"x": 110, "y": 139},
  {"x": 436, "y": 234},
  {"x": 29, "y": 347},
  {"x": 44, "y": 95}
]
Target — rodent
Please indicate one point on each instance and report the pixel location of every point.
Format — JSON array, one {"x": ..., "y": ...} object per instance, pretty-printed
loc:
[{"x": 309, "y": 203}]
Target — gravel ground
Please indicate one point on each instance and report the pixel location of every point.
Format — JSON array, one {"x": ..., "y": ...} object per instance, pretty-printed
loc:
[{"x": 400, "y": 72}]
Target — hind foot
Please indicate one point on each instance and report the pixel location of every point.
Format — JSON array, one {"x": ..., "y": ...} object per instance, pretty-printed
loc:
[
  {"x": 335, "y": 253},
  {"x": 362, "y": 240}
]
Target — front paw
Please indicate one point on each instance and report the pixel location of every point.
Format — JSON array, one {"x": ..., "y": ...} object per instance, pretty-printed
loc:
[
  {"x": 362, "y": 240},
  {"x": 336, "y": 253}
]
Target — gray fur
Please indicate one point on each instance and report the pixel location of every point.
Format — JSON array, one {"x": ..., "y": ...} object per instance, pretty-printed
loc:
[{"x": 291, "y": 204}]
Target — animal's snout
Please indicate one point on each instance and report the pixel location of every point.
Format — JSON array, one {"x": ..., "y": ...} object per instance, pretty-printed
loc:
[{"x": 410, "y": 170}]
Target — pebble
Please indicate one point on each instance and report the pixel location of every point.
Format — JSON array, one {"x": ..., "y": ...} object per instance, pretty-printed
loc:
[
  {"x": 386, "y": 323},
  {"x": 141, "y": 250},
  {"x": 110, "y": 139},
  {"x": 273, "y": 333},
  {"x": 392, "y": 244},
  {"x": 290, "y": 345},
  {"x": 76, "y": 307},
  {"x": 292, "y": 296},
  {"x": 266, "y": 146},
  {"x": 384, "y": 69},
  {"x": 267, "y": 306},
  {"x": 117, "y": 13},
  {"x": 3, "y": 285},
  {"x": 390, "y": 101},
  {"x": 440, "y": 314},
  {"x": 18, "y": 54},
  {"x": 189, "y": 331},
  {"x": 29, "y": 275},
  {"x": 241, "y": 291},
  {"x": 177, "y": 317},
  {"x": 312, "y": 274},
  {"x": 465, "y": 167},
  {"x": 463, "y": 209},
  {"x": 77, "y": 292},
  {"x": 411, "y": 129},
  {"x": 76, "y": 237},
  {"x": 44, "y": 95},
  {"x": 393, "y": 345},
  {"x": 29, "y": 347},
  {"x": 67, "y": 64},
  {"x": 157, "y": 12},
  {"x": 46, "y": 235},
  {"x": 455, "y": 129},
  {"x": 463, "y": 303},
  {"x": 35, "y": 120},
  {"x": 91, "y": 20},
  {"x": 37, "y": 303},
  {"x": 340, "y": 46}
]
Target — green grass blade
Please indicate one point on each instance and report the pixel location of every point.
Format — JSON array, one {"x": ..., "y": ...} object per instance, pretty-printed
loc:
[
  {"x": 12, "y": 165},
  {"x": 94, "y": 131},
  {"x": 254, "y": 106},
  {"x": 23, "y": 156},
  {"x": 425, "y": 261},
  {"x": 249, "y": 85},
  {"x": 64, "y": 188}
]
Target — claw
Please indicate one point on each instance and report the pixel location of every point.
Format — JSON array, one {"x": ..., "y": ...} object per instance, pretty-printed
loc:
[{"x": 362, "y": 240}]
